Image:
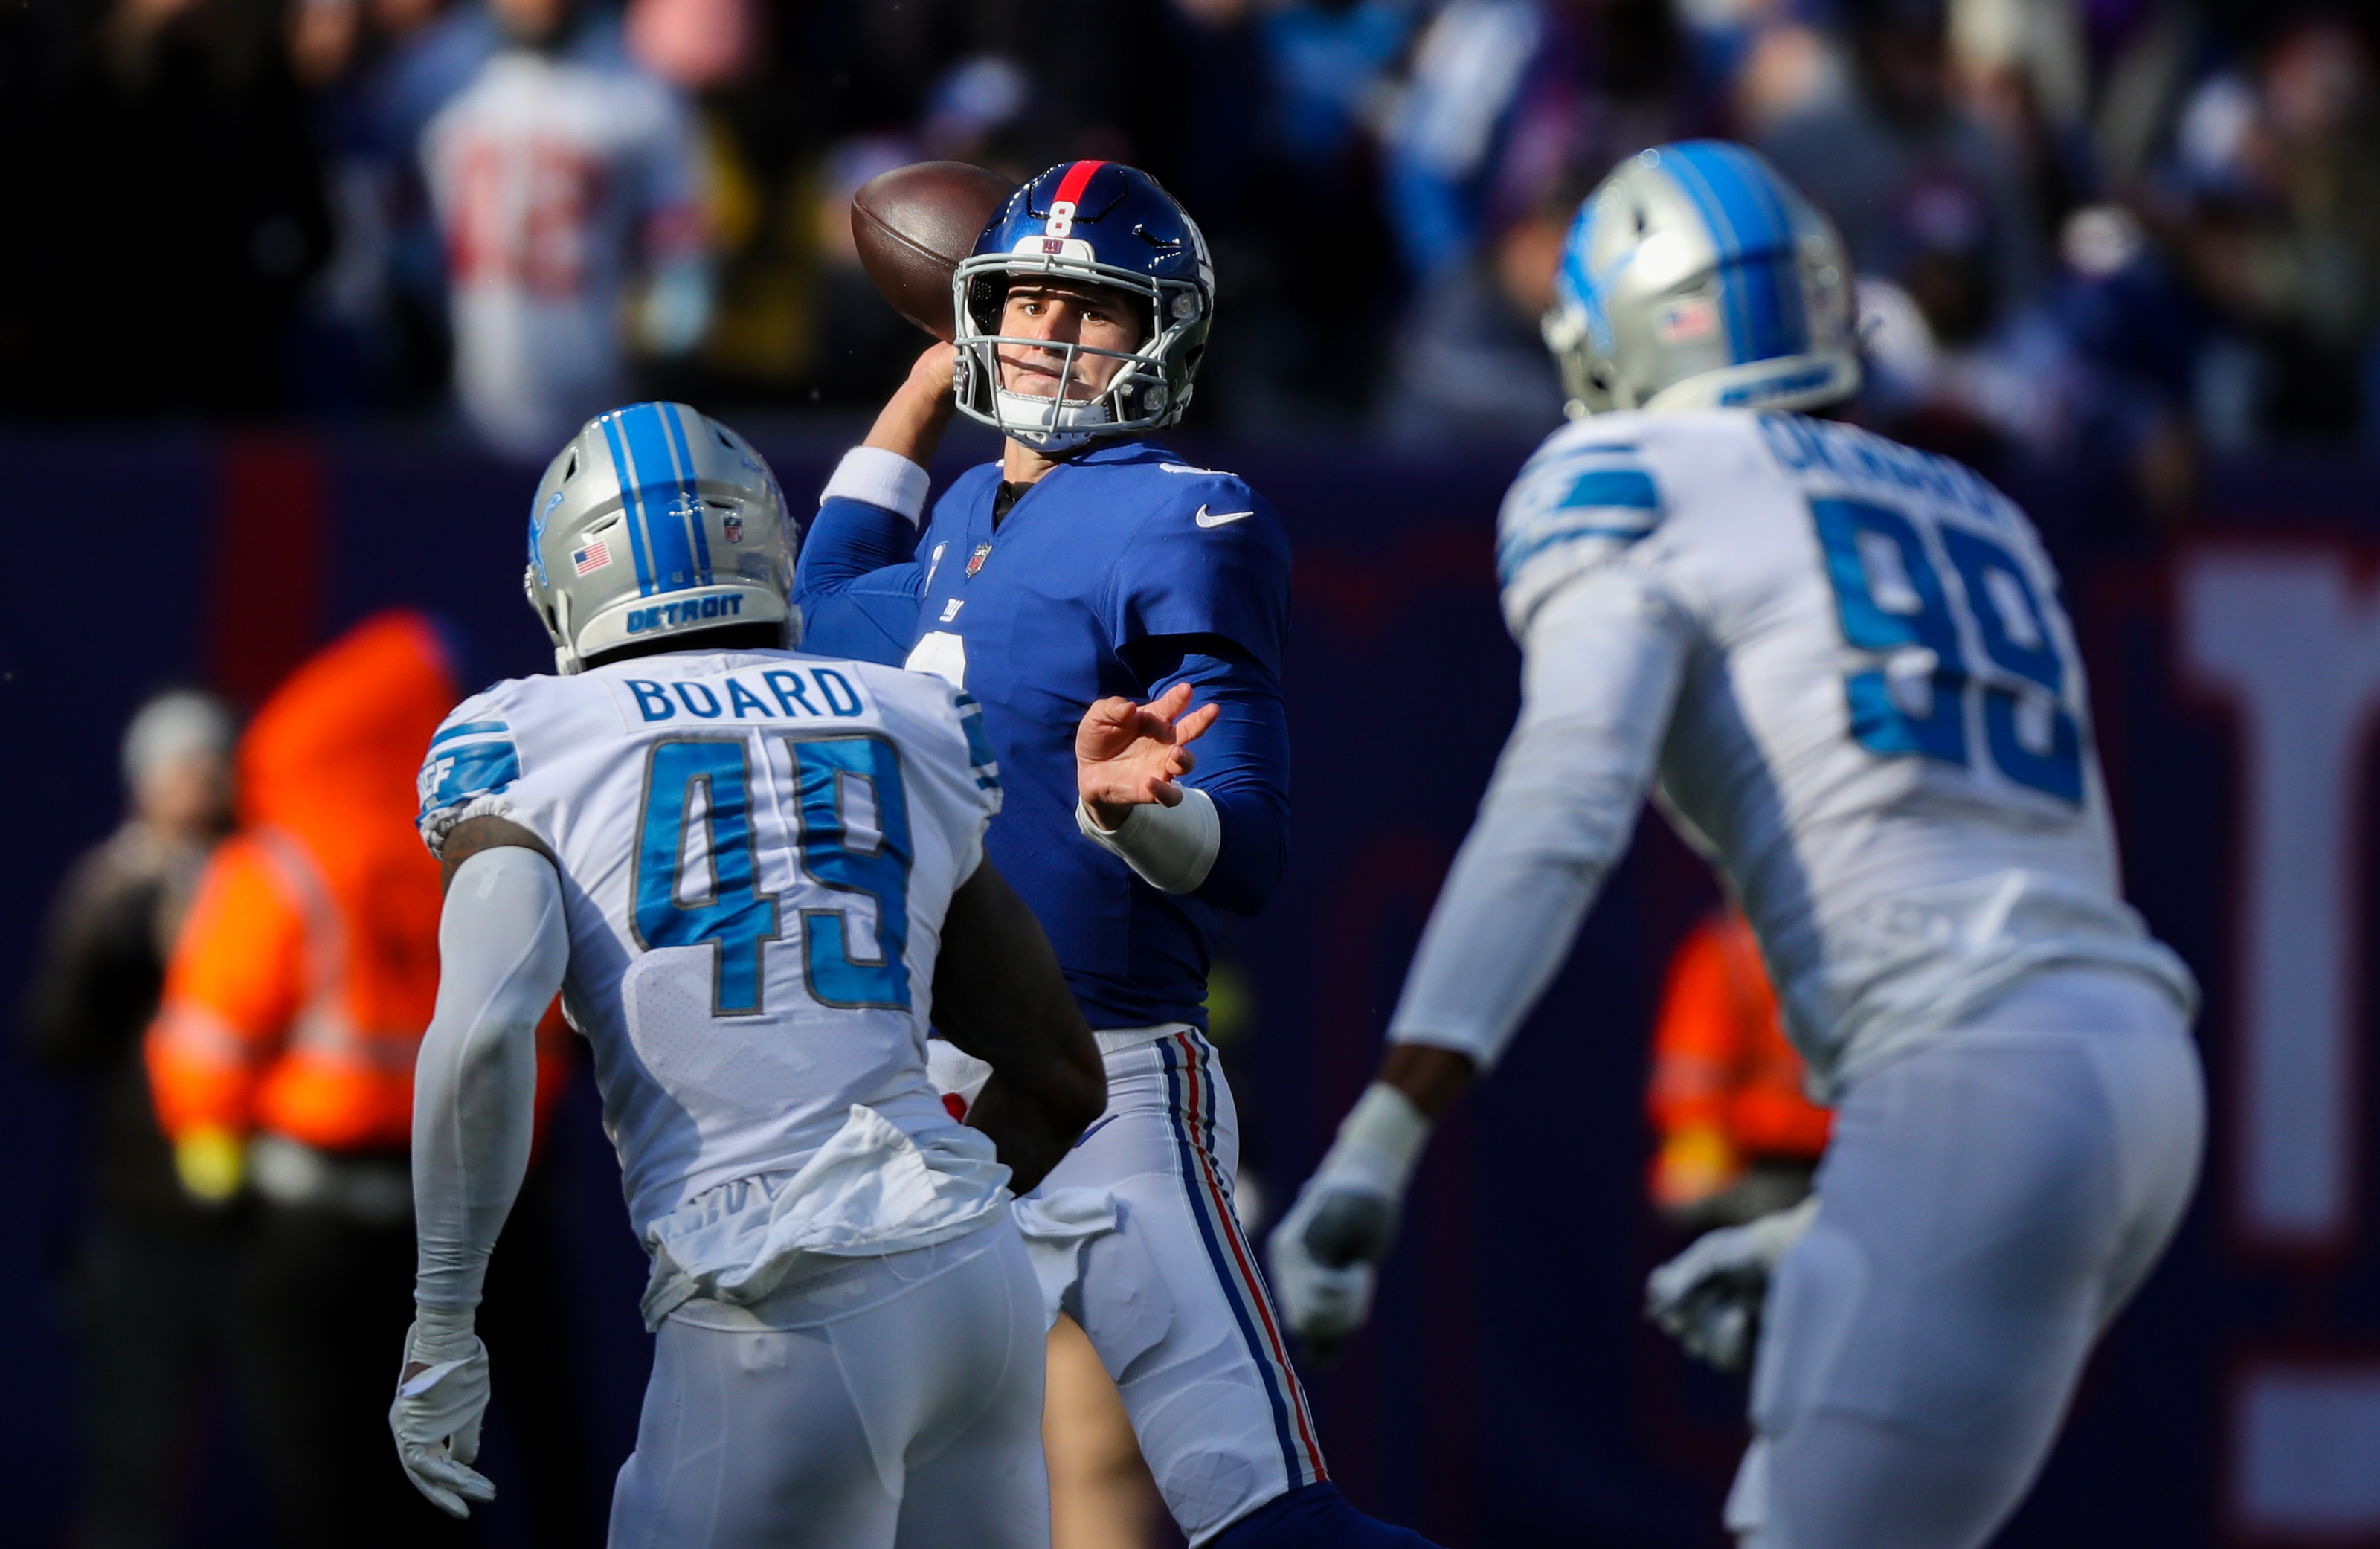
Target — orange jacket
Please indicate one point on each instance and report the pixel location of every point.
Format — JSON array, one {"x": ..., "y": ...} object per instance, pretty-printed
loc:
[
  {"x": 308, "y": 968},
  {"x": 1722, "y": 1068}
]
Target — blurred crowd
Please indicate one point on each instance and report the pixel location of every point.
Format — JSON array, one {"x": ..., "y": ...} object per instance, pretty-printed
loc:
[{"x": 2127, "y": 228}]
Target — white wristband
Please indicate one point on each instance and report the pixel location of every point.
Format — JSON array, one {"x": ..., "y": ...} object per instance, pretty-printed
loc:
[
  {"x": 881, "y": 479},
  {"x": 1380, "y": 1143},
  {"x": 1172, "y": 848}
]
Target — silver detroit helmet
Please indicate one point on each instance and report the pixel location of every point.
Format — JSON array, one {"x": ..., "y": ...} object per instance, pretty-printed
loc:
[
  {"x": 1696, "y": 276},
  {"x": 656, "y": 519}
]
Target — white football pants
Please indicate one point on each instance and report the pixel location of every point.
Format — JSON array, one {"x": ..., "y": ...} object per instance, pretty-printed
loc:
[
  {"x": 896, "y": 1404},
  {"x": 1172, "y": 1298},
  {"x": 1987, "y": 1203}
]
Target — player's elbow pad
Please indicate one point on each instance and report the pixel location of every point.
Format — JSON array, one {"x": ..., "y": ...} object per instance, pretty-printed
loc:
[{"x": 1170, "y": 848}]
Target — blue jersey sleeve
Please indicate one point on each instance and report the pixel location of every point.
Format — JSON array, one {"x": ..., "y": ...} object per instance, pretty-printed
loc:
[
  {"x": 859, "y": 583},
  {"x": 1243, "y": 762},
  {"x": 1212, "y": 559}
]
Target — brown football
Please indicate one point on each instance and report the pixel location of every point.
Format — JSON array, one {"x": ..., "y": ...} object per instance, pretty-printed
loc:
[{"x": 913, "y": 223}]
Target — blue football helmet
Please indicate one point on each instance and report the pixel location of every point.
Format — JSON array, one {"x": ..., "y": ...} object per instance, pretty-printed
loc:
[
  {"x": 1696, "y": 276},
  {"x": 1099, "y": 223}
]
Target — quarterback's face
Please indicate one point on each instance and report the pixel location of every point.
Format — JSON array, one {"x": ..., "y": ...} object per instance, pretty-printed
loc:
[{"x": 1093, "y": 315}]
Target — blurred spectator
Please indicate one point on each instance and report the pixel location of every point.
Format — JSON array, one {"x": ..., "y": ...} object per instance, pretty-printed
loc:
[
  {"x": 381, "y": 70},
  {"x": 1919, "y": 187},
  {"x": 282, "y": 1065},
  {"x": 2022, "y": 68},
  {"x": 1275, "y": 150},
  {"x": 149, "y": 1293},
  {"x": 1515, "y": 108},
  {"x": 2279, "y": 169},
  {"x": 165, "y": 160},
  {"x": 1773, "y": 62},
  {"x": 1470, "y": 364},
  {"x": 1737, "y": 1139},
  {"x": 1948, "y": 366},
  {"x": 1511, "y": 98},
  {"x": 696, "y": 45},
  {"x": 567, "y": 183}
]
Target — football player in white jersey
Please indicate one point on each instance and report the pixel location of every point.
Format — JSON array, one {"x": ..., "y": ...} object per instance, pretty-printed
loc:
[
  {"x": 1843, "y": 668},
  {"x": 753, "y": 875}
]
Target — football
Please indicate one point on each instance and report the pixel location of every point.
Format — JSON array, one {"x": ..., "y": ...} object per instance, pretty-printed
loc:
[{"x": 913, "y": 225}]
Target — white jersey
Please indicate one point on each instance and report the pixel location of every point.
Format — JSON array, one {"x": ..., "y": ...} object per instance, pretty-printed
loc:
[
  {"x": 1847, "y": 663},
  {"x": 556, "y": 178},
  {"x": 757, "y": 849}
]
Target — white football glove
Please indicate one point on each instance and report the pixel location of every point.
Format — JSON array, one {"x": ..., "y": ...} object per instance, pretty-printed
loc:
[
  {"x": 437, "y": 1413},
  {"x": 1709, "y": 1297},
  {"x": 1325, "y": 1257},
  {"x": 1326, "y": 1251}
]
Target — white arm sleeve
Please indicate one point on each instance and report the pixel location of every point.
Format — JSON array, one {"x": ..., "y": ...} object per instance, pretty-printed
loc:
[
  {"x": 501, "y": 948},
  {"x": 1173, "y": 848},
  {"x": 1600, "y": 667}
]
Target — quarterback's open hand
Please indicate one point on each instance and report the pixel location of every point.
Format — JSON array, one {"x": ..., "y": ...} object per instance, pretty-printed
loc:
[
  {"x": 1325, "y": 1255},
  {"x": 1128, "y": 754},
  {"x": 442, "y": 1394}
]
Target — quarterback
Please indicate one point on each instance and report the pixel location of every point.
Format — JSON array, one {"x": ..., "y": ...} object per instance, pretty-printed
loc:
[
  {"x": 1084, "y": 588},
  {"x": 1843, "y": 670},
  {"x": 754, "y": 876}
]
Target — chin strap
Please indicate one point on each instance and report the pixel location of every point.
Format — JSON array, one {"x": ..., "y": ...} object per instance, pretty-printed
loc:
[{"x": 1049, "y": 426}]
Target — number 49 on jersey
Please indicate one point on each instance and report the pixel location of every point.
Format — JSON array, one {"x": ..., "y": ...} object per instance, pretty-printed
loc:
[{"x": 697, "y": 872}]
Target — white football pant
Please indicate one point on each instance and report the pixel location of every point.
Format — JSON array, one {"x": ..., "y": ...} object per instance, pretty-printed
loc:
[
  {"x": 896, "y": 1404},
  {"x": 1172, "y": 1299},
  {"x": 1987, "y": 1203}
]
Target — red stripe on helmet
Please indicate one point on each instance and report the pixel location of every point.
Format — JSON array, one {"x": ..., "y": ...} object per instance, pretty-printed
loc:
[{"x": 1077, "y": 179}]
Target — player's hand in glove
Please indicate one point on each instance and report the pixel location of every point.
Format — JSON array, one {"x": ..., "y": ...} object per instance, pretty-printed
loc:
[
  {"x": 1710, "y": 1296},
  {"x": 441, "y": 1397},
  {"x": 1326, "y": 1251},
  {"x": 1325, "y": 1254}
]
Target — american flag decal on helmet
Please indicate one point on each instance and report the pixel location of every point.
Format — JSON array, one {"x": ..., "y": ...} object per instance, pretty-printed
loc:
[{"x": 595, "y": 556}]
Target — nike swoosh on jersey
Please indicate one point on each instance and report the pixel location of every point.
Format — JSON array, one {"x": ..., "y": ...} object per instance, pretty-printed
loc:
[{"x": 1221, "y": 518}]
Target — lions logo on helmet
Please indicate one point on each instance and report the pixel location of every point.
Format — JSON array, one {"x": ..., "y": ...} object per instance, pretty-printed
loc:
[
  {"x": 1696, "y": 276},
  {"x": 691, "y": 508},
  {"x": 1098, "y": 223}
]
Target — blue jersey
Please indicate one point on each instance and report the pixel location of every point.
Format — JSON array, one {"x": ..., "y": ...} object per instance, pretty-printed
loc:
[{"x": 1122, "y": 571}]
